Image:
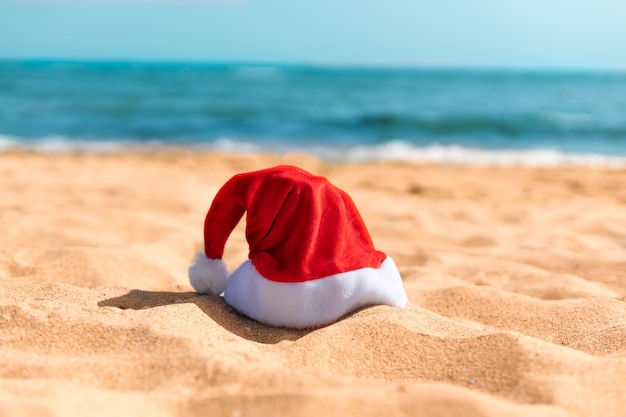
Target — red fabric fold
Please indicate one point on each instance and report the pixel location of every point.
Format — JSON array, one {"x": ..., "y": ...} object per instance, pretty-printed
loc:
[{"x": 299, "y": 226}]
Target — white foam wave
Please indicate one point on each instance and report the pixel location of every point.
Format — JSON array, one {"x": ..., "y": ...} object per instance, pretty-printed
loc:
[
  {"x": 454, "y": 154},
  {"x": 8, "y": 143},
  {"x": 234, "y": 146},
  {"x": 390, "y": 151},
  {"x": 60, "y": 144}
]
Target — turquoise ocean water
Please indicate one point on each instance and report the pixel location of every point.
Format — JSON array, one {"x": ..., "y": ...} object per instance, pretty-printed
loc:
[{"x": 337, "y": 113}]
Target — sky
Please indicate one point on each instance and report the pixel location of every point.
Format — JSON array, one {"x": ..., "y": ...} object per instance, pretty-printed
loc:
[{"x": 433, "y": 33}]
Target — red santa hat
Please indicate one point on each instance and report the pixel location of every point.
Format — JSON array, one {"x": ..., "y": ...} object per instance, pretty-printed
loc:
[{"x": 311, "y": 258}]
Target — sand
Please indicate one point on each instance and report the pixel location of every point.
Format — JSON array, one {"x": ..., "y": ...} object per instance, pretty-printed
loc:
[{"x": 516, "y": 280}]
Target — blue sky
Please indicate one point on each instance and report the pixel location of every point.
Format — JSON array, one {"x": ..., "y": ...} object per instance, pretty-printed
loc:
[{"x": 482, "y": 33}]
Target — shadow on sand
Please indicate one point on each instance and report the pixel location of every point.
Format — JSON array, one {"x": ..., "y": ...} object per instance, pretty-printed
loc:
[{"x": 212, "y": 306}]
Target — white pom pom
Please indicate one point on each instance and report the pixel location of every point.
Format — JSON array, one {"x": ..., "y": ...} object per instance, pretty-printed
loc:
[{"x": 208, "y": 276}]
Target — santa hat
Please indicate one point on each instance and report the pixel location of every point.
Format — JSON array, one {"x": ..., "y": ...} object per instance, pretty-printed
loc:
[{"x": 311, "y": 258}]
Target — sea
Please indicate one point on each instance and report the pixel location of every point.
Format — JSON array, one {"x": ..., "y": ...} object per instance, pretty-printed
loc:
[{"x": 337, "y": 113}]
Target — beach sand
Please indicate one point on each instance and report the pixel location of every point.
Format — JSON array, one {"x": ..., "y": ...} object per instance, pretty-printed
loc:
[{"x": 516, "y": 280}]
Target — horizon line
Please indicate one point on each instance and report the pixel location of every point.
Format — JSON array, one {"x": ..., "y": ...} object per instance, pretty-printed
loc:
[{"x": 321, "y": 64}]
